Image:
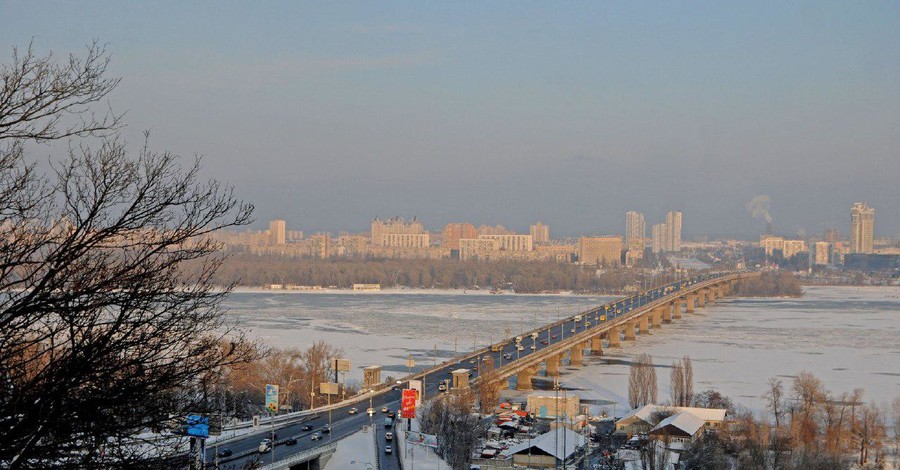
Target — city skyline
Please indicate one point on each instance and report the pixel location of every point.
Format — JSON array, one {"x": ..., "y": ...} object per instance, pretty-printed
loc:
[{"x": 577, "y": 113}]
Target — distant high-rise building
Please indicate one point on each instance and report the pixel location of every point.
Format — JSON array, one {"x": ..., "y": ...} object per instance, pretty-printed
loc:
[
  {"x": 862, "y": 228},
  {"x": 277, "y": 230},
  {"x": 495, "y": 230},
  {"x": 635, "y": 231},
  {"x": 832, "y": 236},
  {"x": 397, "y": 232},
  {"x": 673, "y": 231},
  {"x": 453, "y": 232},
  {"x": 791, "y": 248},
  {"x": 660, "y": 236},
  {"x": 822, "y": 253},
  {"x": 540, "y": 233},
  {"x": 605, "y": 251},
  {"x": 511, "y": 242}
]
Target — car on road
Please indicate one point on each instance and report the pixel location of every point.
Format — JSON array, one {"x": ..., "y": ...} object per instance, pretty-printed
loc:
[
  {"x": 224, "y": 453},
  {"x": 352, "y": 411},
  {"x": 552, "y": 336},
  {"x": 316, "y": 436},
  {"x": 573, "y": 330},
  {"x": 384, "y": 409},
  {"x": 520, "y": 348},
  {"x": 533, "y": 347},
  {"x": 545, "y": 342},
  {"x": 507, "y": 356},
  {"x": 388, "y": 449},
  {"x": 265, "y": 445},
  {"x": 306, "y": 427},
  {"x": 290, "y": 441},
  {"x": 389, "y": 436},
  {"x": 326, "y": 429},
  {"x": 391, "y": 414}
]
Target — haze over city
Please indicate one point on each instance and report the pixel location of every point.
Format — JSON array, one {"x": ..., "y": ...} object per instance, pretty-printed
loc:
[{"x": 328, "y": 115}]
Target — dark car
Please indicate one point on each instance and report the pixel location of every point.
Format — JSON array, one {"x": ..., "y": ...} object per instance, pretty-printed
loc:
[
  {"x": 306, "y": 427},
  {"x": 391, "y": 414},
  {"x": 326, "y": 429},
  {"x": 290, "y": 441},
  {"x": 224, "y": 453}
]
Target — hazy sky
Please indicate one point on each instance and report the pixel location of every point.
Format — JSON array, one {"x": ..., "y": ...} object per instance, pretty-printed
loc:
[{"x": 329, "y": 113}]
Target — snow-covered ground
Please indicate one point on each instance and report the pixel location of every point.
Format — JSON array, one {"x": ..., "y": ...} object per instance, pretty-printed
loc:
[
  {"x": 415, "y": 456},
  {"x": 848, "y": 336},
  {"x": 356, "y": 451}
]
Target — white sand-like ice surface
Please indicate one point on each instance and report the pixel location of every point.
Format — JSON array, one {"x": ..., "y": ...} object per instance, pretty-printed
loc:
[{"x": 847, "y": 336}]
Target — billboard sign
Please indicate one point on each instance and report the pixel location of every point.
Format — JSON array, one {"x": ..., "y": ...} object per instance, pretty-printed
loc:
[
  {"x": 340, "y": 365},
  {"x": 417, "y": 385},
  {"x": 421, "y": 439},
  {"x": 197, "y": 426},
  {"x": 328, "y": 388},
  {"x": 272, "y": 398},
  {"x": 408, "y": 403}
]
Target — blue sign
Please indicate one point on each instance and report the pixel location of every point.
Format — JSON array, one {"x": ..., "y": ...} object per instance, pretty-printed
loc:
[{"x": 197, "y": 426}]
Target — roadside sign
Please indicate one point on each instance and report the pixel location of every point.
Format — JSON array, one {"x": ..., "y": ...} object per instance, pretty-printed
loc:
[
  {"x": 197, "y": 426},
  {"x": 408, "y": 403},
  {"x": 417, "y": 386},
  {"x": 272, "y": 397}
]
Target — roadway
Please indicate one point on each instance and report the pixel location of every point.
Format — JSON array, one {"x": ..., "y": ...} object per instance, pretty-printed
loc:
[{"x": 344, "y": 424}]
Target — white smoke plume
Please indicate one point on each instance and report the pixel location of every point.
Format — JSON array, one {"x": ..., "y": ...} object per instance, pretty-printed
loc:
[{"x": 759, "y": 207}]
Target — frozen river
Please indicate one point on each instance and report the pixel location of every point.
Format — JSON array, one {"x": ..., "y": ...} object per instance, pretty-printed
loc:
[{"x": 849, "y": 337}]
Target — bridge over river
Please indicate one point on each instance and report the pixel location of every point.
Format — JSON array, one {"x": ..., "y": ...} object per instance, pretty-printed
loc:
[{"x": 516, "y": 361}]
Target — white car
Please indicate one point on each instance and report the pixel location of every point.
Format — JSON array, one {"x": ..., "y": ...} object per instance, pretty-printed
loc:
[
  {"x": 353, "y": 411},
  {"x": 387, "y": 449},
  {"x": 388, "y": 436},
  {"x": 265, "y": 445}
]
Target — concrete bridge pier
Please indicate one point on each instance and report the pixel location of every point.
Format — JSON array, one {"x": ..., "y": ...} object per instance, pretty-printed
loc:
[
  {"x": 689, "y": 303},
  {"x": 712, "y": 295},
  {"x": 612, "y": 337},
  {"x": 596, "y": 346},
  {"x": 644, "y": 324},
  {"x": 656, "y": 319},
  {"x": 701, "y": 298},
  {"x": 523, "y": 378},
  {"x": 552, "y": 365},
  {"x": 576, "y": 355},
  {"x": 629, "y": 331},
  {"x": 667, "y": 313},
  {"x": 676, "y": 309}
]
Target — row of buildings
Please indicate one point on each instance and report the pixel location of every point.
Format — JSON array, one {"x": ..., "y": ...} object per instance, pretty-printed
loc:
[
  {"x": 830, "y": 250},
  {"x": 399, "y": 238}
]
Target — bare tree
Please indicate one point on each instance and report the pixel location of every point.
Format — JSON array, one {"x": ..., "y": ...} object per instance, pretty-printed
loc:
[
  {"x": 450, "y": 417},
  {"x": 682, "y": 382},
  {"x": 42, "y": 99},
  {"x": 676, "y": 382},
  {"x": 642, "y": 388},
  {"x": 688, "y": 367},
  {"x": 809, "y": 395},
  {"x": 103, "y": 334}
]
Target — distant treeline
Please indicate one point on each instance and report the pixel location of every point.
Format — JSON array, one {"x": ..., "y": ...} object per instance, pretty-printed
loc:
[
  {"x": 770, "y": 284},
  {"x": 521, "y": 276}
]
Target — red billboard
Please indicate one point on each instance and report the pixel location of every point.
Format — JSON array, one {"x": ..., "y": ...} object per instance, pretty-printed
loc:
[{"x": 408, "y": 403}]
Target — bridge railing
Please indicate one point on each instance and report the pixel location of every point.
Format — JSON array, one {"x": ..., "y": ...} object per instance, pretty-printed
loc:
[{"x": 616, "y": 320}]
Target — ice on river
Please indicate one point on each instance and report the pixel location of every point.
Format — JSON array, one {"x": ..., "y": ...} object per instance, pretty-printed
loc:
[{"x": 848, "y": 336}]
